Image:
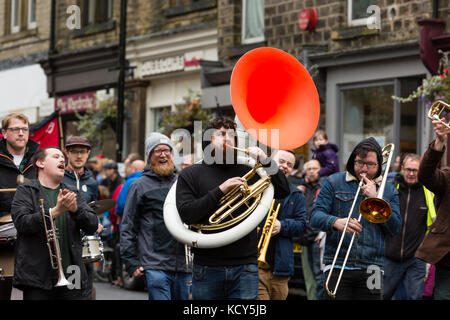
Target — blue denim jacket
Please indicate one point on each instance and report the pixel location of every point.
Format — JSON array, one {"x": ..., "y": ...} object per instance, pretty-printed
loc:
[{"x": 334, "y": 201}]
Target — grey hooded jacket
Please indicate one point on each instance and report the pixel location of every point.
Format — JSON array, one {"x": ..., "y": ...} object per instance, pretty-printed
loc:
[{"x": 144, "y": 239}]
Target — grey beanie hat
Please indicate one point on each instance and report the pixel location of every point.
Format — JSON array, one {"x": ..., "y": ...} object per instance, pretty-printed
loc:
[{"x": 154, "y": 139}]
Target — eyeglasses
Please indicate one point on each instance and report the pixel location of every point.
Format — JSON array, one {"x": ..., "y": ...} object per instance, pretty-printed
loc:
[
  {"x": 158, "y": 152},
  {"x": 78, "y": 152},
  {"x": 370, "y": 165},
  {"x": 411, "y": 170},
  {"x": 17, "y": 129}
]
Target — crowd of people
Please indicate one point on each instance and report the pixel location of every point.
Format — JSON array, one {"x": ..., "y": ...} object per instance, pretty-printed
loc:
[{"x": 411, "y": 249}]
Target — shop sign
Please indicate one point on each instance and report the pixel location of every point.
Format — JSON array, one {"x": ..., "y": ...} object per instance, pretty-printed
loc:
[
  {"x": 168, "y": 64},
  {"x": 77, "y": 102}
]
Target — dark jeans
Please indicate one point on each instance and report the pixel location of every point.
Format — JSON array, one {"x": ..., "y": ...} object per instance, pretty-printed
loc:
[
  {"x": 441, "y": 283},
  {"x": 354, "y": 285},
  {"x": 410, "y": 272},
  {"x": 225, "y": 282},
  {"x": 56, "y": 293}
]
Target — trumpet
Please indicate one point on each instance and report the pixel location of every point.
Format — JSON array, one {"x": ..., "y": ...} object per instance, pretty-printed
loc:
[
  {"x": 436, "y": 110},
  {"x": 263, "y": 243},
  {"x": 53, "y": 246}
]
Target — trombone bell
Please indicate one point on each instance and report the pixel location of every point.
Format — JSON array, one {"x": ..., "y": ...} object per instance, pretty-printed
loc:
[{"x": 375, "y": 210}]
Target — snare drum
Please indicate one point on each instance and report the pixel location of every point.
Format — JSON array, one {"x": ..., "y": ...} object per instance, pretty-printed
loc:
[
  {"x": 8, "y": 235},
  {"x": 92, "y": 249}
]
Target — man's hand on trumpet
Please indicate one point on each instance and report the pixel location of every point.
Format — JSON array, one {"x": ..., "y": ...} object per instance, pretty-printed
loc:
[{"x": 441, "y": 134}]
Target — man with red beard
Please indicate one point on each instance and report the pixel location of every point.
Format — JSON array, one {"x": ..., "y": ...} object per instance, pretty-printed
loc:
[
  {"x": 33, "y": 272},
  {"x": 146, "y": 246}
]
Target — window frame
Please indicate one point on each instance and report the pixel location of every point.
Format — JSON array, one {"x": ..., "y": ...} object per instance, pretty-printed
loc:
[
  {"x": 245, "y": 40},
  {"x": 31, "y": 24},
  {"x": 15, "y": 28},
  {"x": 354, "y": 22}
]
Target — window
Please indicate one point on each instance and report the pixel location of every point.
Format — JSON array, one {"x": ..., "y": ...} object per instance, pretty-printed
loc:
[
  {"x": 23, "y": 15},
  {"x": 252, "y": 21},
  {"x": 367, "y": 111},
  {"x": 96, "y": 11},
  {"x": 15, "y": 16},
  {"x": 357, "y": 11},
  {"x": 31, "y": 14},
  {"x": 156, "y": 117}
]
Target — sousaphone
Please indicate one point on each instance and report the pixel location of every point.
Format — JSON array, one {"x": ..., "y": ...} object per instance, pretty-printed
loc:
[{"x": 276, "y": 101}]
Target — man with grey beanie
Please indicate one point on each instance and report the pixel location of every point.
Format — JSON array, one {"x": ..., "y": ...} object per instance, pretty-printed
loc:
[{"x": 146, "y": 246}]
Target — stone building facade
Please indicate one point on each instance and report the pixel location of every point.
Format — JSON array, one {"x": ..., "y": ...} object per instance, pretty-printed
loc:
[{"x": 360, "y": 63}]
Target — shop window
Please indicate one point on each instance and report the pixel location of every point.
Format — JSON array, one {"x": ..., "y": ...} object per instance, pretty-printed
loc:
[
  {"x": 157, "y": 118},
  {"x": 357, "y": 11},
  {"x": 22, "y": 15},
  {"x": 252, "y": 21},
  {"x": 366, "y": 112}
]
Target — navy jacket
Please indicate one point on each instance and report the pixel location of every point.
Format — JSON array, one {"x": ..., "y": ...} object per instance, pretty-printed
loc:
[{"x": 293, "y": 224}]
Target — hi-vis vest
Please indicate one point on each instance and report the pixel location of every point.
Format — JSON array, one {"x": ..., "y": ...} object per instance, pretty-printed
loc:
[{"x": 429, "y": 199}]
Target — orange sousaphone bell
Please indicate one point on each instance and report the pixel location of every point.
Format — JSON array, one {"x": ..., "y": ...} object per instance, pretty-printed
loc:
[{"x": 270, "y": 89}]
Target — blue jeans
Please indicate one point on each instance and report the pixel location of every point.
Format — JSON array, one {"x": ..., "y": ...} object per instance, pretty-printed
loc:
[
  {"x": 225, "y": 282},
  {"x": 167, "y": 285},
  {"x": 410, "y": 272}
]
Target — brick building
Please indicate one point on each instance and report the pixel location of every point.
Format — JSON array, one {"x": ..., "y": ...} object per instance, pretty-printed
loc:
[
  {"x": 361, "y": 62},
  {"x": 24, "y": 41}
]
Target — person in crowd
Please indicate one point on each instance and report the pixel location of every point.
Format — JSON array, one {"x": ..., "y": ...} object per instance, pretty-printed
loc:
[
  {"x": 146, "y": 246},
  {"x": 33, "y": 272},
  {"x": 188, "y": 160},
  {"x": 16, "y": 151},
  {"x": 418, "y": 212},
  {"x": 230, "y": 271},
  {"x": 274, "y": 275},
  {"x": 112, "y": 177},
  {"x": 397, "y": 167},
  {"x": 330, "y": 214},
  {"x": 435, "y": 248},
  {"x": 310, "y": 241},
  {"x": 134, "y": 167},
  {"x": 326, "y": 153},
  {"x": 77, "y": 151}
]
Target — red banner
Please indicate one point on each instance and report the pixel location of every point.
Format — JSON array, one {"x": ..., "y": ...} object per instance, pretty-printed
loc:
[{"x": 46, "y": 132}]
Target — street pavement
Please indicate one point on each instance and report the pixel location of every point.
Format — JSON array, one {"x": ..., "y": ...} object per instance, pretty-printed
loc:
[{"x": 104, "y": 291}]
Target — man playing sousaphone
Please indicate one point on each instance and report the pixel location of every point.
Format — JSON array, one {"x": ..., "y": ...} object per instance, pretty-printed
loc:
[
  {"x": 16, "y": 151},
  {"x": 229, "y": 271},
  {"x": 33, "y": 272}
]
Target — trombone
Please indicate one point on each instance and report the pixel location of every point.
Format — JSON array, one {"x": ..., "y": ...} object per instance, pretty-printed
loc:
[
  {"x": 263, "y": 243},
  {"x": 436, "y": 110},
  {"x": 375, "y": 210}
]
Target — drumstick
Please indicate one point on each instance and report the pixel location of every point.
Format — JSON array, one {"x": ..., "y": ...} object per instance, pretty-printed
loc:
[{"x": 8, "y": 190}]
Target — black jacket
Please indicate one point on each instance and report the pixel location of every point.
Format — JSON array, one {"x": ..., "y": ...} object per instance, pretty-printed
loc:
[
  {"x": 413, "y": 210},
  {"x": 9, "y": 173},
  {"x": 32, "y": 260},
  {"x": 197, "y": 197}
]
